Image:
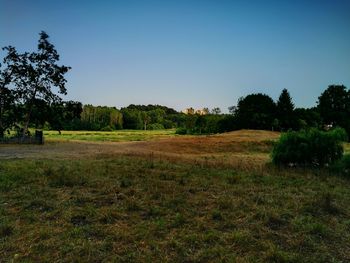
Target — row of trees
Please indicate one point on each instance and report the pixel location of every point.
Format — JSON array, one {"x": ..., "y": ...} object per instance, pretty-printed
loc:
[
  {"x": 27, "y": 99},
  {"x": 259, "y": 111}
]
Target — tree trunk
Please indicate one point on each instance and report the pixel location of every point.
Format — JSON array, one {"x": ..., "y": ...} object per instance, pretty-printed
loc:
[
  {"x": 26, "y": 123},
  {"x": 27, "y": 120},
  {"x": 1, "y": 114},
  {"x": 1, "y": 126}
]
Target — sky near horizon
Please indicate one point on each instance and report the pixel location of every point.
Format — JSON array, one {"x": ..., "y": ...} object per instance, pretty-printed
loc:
[{"x": 185, "y": 53}]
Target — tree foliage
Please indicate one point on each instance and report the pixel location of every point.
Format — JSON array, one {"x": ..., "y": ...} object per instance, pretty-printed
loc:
[
  {"x": 334, "y": 106},
  {"x": 31, "y": 85},
  {"x": 285, "y": 112},
  {"x": 101, "y": 117},
  {"x": 216, "y": 111},
  {"x": 256, "y": 111},
  {"x": 35, "y": 74},
  {"x": 7, "y": 98},
  {"x": 309, "y": 148},
  {"x": 7, "y": 107},
  {"x": 307, "y": 118}
]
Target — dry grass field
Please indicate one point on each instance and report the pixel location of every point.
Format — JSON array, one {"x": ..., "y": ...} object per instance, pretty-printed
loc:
[
  {"x": 240, "y": 148},
  {"x": 168, "y": 199}
]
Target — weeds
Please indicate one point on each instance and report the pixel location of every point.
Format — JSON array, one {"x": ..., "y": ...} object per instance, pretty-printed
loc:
[
  {"x": 6, "y": 229},
  {"x": 62, "y": 176}
]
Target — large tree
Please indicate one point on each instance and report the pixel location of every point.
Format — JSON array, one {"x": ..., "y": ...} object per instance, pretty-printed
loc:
[
  {"x": 216, "y": 111},
  {"x": 35, "y": 74},
  {"x": 285, "y": 111},
  {"x": 7, "y": 97},
  {"x": 256, "y": 111},
  {"x": 307, "y": 117},
  {"x": 65, "y": 115},
  {"x": 7, "y": 109},
  {"x": 334, "y": 106}
]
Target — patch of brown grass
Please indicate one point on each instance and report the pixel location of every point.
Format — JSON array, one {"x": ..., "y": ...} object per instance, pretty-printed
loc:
[{"x": 240, "y": 149}]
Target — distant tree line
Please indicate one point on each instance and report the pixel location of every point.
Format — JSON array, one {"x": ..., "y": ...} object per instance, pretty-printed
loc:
[
  {"x": 332, "y": 109},
  {"x": 27, "y": 100},
  {"x": 260, "y": 111}
]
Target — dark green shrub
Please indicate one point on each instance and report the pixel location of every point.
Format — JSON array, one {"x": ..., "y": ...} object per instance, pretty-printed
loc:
[
  {"x": 107, "y": 128},
  {"x": 309, "y": 148},
  {"x": 339, "y": 134},
  {"x": 6, "y": 229},
  {"x": 181, "y": 131},
  {"x": 155, "y": 126},
  {"x": 342, "y": 166},
  {"x": 168, "y": 124}
]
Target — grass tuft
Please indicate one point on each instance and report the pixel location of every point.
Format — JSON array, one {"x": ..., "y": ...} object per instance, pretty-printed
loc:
[{"x": 6, "y": 229}]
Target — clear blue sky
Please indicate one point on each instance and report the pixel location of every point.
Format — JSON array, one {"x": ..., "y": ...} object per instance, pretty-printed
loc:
[{"x": 183, "y": 53}]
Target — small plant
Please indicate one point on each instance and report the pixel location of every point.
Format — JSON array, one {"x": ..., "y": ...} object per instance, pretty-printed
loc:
[
  {"x": 125, "y": 182},
  {"x": 233, "y": 179},
  {"x": 79, "y": 220},
  {"x": 179, "y": 220},
  {"x": 323, "y": 204},
  {"x": 275, "y": 254},
  {"x": 63, "y": 177},
  {"x": 216, "y": 215},
  {"x": 107, "y": 128},
  {"x": 132, "y": 205},
  {"x": 5, "y": 229},
  {"x": 327, "y": 204},
  {"x": 150, "y": 162},
  {"x": 181, "y": 131}
]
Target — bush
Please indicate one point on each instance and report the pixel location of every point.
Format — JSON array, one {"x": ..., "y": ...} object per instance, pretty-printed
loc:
[
  {"x": 181, "y": 131},
  {"x": 107, "y": 128},
  {"x": 342, "y": 166},
  {"x": 155, "y": 126},
  {"x": 168, "y": 124},
  {"x": 340, "y": 134},
  {"x": 309, "y": 148}
]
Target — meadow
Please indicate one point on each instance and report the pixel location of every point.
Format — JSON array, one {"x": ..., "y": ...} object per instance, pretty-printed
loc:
[
  {"x": 157, "y": 197},
  {"x": 111, "y": 136}
]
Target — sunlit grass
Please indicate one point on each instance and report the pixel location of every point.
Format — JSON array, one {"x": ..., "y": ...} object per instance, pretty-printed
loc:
[{"x": 111, "y": 136}]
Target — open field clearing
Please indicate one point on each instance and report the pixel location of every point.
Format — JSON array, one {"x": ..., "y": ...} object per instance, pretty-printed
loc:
[
  {"x": 112, "y": 136},
  {"x": 171, "y": 199},
  {"x": 234, "y": 148}
]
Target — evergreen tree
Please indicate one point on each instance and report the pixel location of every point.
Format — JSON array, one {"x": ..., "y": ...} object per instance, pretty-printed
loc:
[{"x": 285, "y": 111}]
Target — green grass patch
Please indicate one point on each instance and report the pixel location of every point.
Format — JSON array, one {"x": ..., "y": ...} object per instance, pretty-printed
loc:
[
  {"x": 109, "y": 136},
  {"x": 122, "y": 209}
]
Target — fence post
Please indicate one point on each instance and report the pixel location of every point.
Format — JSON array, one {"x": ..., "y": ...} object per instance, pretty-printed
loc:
[{"x": 39, "y": 138}]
